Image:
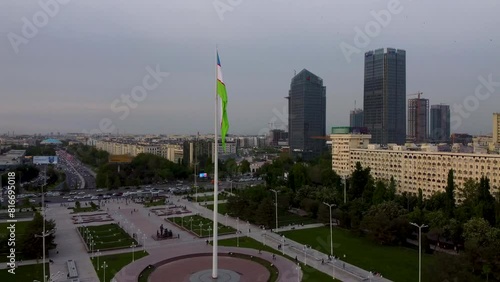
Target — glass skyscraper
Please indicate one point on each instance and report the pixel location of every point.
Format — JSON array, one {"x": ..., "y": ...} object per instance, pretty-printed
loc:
[
  {"x": 384, "y": 102},
  {"x": 440, "y": 123},
  {"x": 356, "y": 118},
  {"x": 306, "y": 115}
]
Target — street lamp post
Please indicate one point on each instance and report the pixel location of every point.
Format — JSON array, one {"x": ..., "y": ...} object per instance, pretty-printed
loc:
[
  {"x": 276, "y": 204},
  {"x": 305, "y": 254},
  {"x": 201, "y": 230},
  {"x": 298, "y": 272},
  {"x": 264, "y": 236},
  {"x": 331, "y": 233},
  {"x": 98, "y": 254},
  {"x": 92, "y": 249},
  {"x": 248, "y": 228},
  {"x": 104, "y": 266},
  {"x": 419, "y": 249},
  {"x": 283, "y": 245},
  {"x": 237, "y": 232},
  {"x": 133, "y": 250}
]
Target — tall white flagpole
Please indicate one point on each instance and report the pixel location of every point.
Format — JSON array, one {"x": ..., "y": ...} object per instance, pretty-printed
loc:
[{"x": 216, "y": 177}]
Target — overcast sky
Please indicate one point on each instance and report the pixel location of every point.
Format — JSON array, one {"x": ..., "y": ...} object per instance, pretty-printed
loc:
[{"x": 67, "y": 75}]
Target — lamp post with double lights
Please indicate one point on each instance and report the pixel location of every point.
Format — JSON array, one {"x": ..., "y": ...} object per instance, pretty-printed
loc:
[
  {"x": 276, "y": 204},
  {"x": 283, "y": 245},
  {"x": 305, "y": 254},
  {"x": 43, "y": 235},
  {"x": 133, "y": 251},
  {"x": 237, "y": 232},
  {"x": 201, "y": 228},
  {"x": 419, "y": 249},
  {"x": 331, "y": 232},
  {"x": 98, "y": 254},
  {"x": 104, "y": 266}
]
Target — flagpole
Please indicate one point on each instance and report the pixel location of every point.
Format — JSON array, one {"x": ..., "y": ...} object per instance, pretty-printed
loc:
[{"x": 216, "y": 179}]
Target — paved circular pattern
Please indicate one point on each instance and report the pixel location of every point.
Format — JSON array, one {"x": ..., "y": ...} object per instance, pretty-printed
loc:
[
  {"x": 223, "y": 275},
  {"x": 182, "y": 270}
]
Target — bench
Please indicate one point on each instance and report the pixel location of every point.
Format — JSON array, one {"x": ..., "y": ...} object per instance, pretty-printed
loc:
[{"x": 72, "y": 272}]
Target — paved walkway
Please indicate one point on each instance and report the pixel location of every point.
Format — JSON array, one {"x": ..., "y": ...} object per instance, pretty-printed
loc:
[
  {"x": 340, "y": 270},
  {"x": 130, "y": 273}
]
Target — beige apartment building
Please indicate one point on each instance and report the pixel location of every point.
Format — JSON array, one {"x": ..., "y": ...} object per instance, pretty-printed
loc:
[
  {"x": 171, "y": 152},
  {"x": 412, "y": 167}
]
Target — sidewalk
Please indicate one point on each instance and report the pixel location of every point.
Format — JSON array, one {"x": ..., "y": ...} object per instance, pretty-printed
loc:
[{"x": 340, "y": 270}]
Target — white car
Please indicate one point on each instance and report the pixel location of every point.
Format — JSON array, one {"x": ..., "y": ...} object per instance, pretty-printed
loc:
[{"x": 94, "y": 198}]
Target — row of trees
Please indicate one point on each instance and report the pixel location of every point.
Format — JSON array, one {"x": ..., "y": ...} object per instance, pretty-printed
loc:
[
  {"x": 89, "y": 155},
  {"x": 374, "y": 209},
  {"x": 144, "y": 169}
]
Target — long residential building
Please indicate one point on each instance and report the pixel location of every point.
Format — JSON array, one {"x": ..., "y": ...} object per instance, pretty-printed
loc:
[
  {"x": 412, "y": 167},
  {"x": 172, "y": 152}
]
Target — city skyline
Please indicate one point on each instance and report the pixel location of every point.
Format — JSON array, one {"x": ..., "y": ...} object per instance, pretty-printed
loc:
[{"x": 70, "y": 73}]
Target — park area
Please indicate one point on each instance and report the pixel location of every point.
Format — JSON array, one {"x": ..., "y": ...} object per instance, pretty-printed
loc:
[
  {"x": 115, "y": 263},
  {"x": 25, "y": 273},
  {"x": 393, "y": 262},
  {"x": 106, "y": 237},
  {"x": 20, "y": 231},
  {"x": 200, "y": 226},
  {"x": 284, "y": 219},
  {"x": 310, "y": 274}
]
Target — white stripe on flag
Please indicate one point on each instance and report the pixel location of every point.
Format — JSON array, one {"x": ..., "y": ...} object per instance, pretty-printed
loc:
[{"x": 219, "y": 73}]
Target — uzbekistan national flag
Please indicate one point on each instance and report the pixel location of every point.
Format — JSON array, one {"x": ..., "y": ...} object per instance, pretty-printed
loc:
[{"x": 221, "y": 91}]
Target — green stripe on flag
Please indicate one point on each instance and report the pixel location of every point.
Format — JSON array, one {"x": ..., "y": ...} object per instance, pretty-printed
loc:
[{"x": 221, "y": 91}]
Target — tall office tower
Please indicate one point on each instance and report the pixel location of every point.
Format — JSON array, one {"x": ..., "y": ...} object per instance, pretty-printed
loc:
[
  {"x": 440, "y": 123},
  {"x": 306, "y": 115},
  {"x": 496, "y": 128},
  {"x": 356, "y": 118},
  {"x": 418, "y": 119},
  {"x": 384, "y": 102}
]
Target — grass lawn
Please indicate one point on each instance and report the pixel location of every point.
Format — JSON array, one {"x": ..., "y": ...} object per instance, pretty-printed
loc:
[
  {"x": 395, "y": 263},
  {"x": 159, "y": 202},
  {"x": 209, "y": 198},
  {"x": 222, "y": 208},
  {"x": 108, "y": 236},
  {"x": 20, "y": 230},
  {"x": 283, "y": 219},
  {"x": 205, "y": 229},
  {"x": 85, "y": 209},
  {"x": 115, "y": 263},
  {"x": 291, "y": 218},
  {"x": 310, "y": 274},
  {"x": 25, "y": 273}
]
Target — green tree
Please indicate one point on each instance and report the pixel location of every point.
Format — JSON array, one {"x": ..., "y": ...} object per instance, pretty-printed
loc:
[
  {"x": 485, "y": 207},
  {"x": 359, "y": 179},
  {"x": 380, "y": 192},
  {"x": 450, "y": 195},
  {"x": 244, "y": 166},
  {"x": 265, "y": 213},
  {"x": 386, "y": 223},
  {"x": 31, "y": 246}
]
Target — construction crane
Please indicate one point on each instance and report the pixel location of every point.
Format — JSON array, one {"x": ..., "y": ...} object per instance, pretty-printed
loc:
[{"x": 418, "y": 94}]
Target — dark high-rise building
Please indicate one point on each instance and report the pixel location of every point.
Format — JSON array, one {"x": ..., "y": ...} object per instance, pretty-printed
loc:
[
  {"x": 356, "y": 118},
  {"x": 418, "y": 119},
  {"x": 384, "y": 102},
  {"x": 440, "y": 123},
  {"x": 306, "y": 115}
]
